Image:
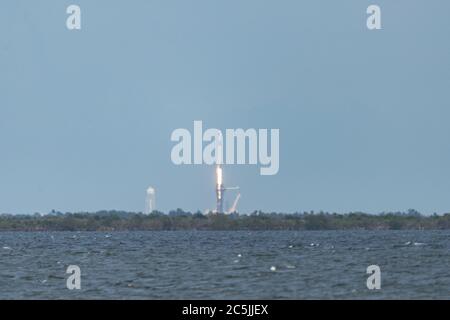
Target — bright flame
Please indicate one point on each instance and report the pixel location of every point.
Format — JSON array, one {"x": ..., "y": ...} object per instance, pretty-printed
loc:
[{"x": 219, "y": 175}]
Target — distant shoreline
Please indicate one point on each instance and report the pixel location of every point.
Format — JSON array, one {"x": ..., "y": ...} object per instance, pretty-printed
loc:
[{"x": 180, "y": 220}]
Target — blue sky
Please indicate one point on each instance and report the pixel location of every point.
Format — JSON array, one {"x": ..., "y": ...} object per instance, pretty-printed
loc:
[{"x": 86, "y": 116}]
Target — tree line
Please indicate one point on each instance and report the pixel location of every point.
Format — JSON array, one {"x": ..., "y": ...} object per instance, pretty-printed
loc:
[{"x": 258, "y": 220}]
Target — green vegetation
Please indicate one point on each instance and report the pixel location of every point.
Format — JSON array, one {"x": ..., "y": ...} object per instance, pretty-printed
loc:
[{"x": 181, "y": 220}]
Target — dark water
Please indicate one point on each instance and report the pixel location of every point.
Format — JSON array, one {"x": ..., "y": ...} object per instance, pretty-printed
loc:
[{"x": 225, "y": 265}]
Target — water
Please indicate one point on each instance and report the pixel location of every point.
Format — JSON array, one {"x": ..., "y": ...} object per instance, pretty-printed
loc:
[{"x": 225, "y": 265}]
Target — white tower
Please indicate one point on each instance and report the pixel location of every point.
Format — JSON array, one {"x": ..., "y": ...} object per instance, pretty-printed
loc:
[{"x": 150, "y": 201}]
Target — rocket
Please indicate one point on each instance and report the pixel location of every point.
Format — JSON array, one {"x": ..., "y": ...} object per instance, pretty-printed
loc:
[{"x": 220, "y": 190}]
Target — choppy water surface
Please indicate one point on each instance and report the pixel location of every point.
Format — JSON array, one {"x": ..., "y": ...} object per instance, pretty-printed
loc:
[{"x": 225, "y": 265}]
